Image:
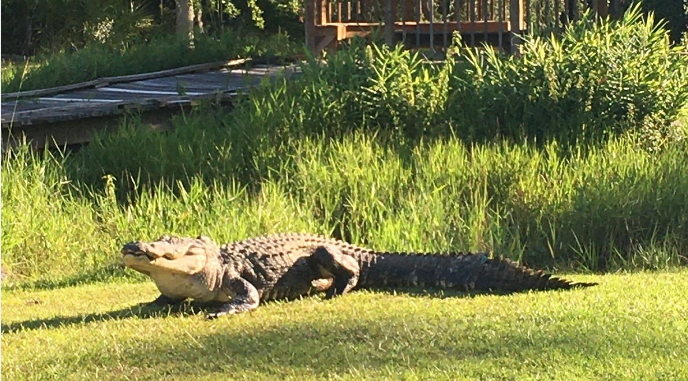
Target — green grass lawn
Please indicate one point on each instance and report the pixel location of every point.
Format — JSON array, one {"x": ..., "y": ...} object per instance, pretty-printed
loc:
[{"x": 631, "y": 327}]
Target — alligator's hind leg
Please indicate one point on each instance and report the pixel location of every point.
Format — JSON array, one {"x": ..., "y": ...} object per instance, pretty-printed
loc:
[
  {"x": 245, "y": 297},
  {"x": 330, "y": 262}
]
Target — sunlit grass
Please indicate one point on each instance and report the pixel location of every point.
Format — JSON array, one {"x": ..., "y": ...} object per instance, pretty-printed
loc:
[{"x": 630, "y": 327}]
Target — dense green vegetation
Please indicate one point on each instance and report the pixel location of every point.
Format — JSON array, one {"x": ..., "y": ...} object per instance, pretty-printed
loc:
[
  {"x": 617, "y": 206},
  {"x": 69, "y": 42},
  {"x": 573, "y": 155},
  {"x": 49, "y": 26}
]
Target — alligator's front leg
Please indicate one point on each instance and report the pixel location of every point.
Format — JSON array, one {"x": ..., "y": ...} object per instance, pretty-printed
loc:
[
  {"x": 331, "y": 262},
  {"x": 245, "y": 297}
]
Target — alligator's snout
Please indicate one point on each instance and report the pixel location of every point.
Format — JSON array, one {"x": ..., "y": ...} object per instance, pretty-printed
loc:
[{"x": 133, "y": 248}]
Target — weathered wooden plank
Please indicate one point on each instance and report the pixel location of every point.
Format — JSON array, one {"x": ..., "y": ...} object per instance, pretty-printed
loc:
[
  {"x": 140, "y": 91},
  {"x": 181, "y": 70},
  {"x": 71, "y": 100},
  {"x": 205, "y": 83},
  {"x": 192, "y": 78},
  {"x": 79, "y": 110},
  {"x": 85, "y": 96},
  {"x": 196, "y": 82},
  {"x": 147, "y": 92},
  {"x": 13, "y": 105},
  {"x": 124, "y": 78},
  {"x": 116, "y": 99},
  {"x": 10, "y": 108},
  {"x": 52, "y": 90}
]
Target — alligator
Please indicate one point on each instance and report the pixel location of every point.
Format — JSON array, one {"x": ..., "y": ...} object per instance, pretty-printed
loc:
[{"x": 238, "y": 276}]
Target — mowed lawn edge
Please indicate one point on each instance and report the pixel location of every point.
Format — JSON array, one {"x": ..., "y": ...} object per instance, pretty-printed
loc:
[{"x": 630, "y": 327}]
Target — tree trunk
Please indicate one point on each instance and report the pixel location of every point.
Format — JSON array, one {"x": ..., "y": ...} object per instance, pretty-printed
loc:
[
  {"x": 199, "y": 20},
  {"x": 185, "y": 20},
  {"x": 202, "y": 10}
]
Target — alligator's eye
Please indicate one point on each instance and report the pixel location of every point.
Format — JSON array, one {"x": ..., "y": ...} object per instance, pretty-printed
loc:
[{"x": 195, "y": 250}]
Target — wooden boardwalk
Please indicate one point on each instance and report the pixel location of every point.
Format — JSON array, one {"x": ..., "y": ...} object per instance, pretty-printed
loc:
[{"x": 69, "y": 114}]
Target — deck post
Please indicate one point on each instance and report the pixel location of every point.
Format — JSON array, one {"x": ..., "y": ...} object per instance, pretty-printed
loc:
[
  {"x": 323, "y": 12},
  {"x": 601, "y": 8},
  {"x": 389, "y": 22},
  {"x": 516, "y": 17},
  {"x": 309, "y": 18}
]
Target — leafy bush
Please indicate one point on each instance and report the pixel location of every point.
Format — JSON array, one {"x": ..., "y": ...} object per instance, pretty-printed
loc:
[
  {"x": 32, "y": 26},
  {"x": 600, "y": 80},
  {"x": 597, "y": 79},
  {"x": 50, "y": 26}
]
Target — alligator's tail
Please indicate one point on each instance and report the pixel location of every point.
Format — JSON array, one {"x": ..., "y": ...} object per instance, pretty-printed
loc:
[{"x": 466, "y": 272}]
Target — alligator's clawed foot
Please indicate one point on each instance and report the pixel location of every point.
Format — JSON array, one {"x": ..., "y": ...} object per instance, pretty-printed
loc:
[
  {"x": 162, "y": 301},
  {"x": 341, "y": 286},
  {"x": 217, "y": 314},
  {"x": 238, "y": 305}
]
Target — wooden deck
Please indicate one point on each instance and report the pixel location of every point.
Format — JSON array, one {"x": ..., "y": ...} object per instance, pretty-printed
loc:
[
  {"x": 69, "y": 114},
  {"x": 430, "y": 23}
]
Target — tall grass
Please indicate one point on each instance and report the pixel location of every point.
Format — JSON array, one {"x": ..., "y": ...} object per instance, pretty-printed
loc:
[{"x": 617, "y": 206}]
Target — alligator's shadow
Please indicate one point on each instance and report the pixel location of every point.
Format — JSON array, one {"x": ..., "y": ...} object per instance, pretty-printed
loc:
[
  {"x": 141, "y": 311},
  {"x": 147, "y": 311}
]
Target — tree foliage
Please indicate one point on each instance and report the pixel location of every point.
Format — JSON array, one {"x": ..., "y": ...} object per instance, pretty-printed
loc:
[{"x": 67, "y": 25}]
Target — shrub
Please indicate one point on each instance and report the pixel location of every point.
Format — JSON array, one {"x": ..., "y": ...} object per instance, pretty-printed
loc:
[
  {"x": 675, "y": 13},
  {"x": 598, "y": 79}
]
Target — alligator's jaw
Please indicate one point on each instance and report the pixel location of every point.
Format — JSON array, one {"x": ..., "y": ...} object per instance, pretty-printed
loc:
[{"x": 188, "y": 265}]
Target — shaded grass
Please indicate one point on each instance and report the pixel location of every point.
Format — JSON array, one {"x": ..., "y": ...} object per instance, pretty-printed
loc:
[{"x": 631, "y": 327}]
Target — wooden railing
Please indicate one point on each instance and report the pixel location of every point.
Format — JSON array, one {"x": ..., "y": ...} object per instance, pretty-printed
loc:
[{"x": 431, "y": 23}]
